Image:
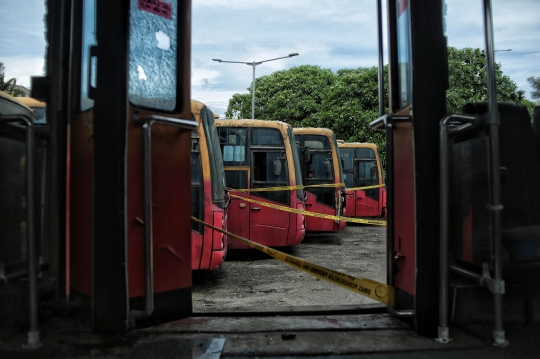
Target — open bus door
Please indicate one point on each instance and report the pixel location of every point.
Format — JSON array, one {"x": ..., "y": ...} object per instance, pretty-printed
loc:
[
  {"x": 412, "y": 159},
  {"x": 125, "y": 120},
  {"x": 446, "y": 193}
]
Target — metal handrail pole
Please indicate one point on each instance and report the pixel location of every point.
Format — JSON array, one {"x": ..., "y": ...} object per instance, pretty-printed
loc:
[
  {"x": 381, "y": 57},
  {"x": 495, "y": 187},
  {"x": 443, "y": 331}
]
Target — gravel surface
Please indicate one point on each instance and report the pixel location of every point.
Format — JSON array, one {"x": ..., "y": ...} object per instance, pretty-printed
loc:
[{"x": 252, "y": 278}]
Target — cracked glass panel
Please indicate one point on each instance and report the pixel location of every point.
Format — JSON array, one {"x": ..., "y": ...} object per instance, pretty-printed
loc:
[{"x": 152, "y": 54}]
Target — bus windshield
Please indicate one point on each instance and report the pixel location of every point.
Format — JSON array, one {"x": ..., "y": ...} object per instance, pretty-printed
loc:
[
  {"x": 368, "y": 173},
  {"x": 321, "y": 167},
  {"x": 317, "y": 165}
]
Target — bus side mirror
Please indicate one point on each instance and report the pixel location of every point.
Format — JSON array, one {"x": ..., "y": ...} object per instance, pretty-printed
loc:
[
  {"x": 342, "y": 162},
  {"x": 328, "y": 166},
  {"x": 277, "y": 167},
  {"x": 372, "y": 171}
]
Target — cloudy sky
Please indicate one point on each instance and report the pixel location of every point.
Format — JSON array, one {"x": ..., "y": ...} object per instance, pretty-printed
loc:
[{"x": 332, "y": 34}]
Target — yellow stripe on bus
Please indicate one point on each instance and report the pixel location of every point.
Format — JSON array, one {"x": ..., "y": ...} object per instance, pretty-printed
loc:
[
  {"x": 313, "y": 214},
  {"x": 367, "y": 287},
  {"x": 284, "y": 188}
]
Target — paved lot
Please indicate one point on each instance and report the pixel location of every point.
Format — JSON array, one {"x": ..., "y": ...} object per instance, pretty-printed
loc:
[{"x": 251, "y": 278}]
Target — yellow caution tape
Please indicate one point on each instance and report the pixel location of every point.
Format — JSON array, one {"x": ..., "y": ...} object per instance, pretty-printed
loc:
[
  {"x": 367, "y": 287},
  {"x": 313, "y": 214},
  {"x": 284, "y": 188},
  {"x": 366, "y": 187}
]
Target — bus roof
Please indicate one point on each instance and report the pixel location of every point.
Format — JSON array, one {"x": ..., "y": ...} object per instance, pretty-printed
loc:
[
  {"x": 313, "y": 131},
  {"x": 253, "y": 123},
  {"x": 31, "y": 102},
  {"x": 357, "y": 145},
  {"x": 10, "y": 105}
]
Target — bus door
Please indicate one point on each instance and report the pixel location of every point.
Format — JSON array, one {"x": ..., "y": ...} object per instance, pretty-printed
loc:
[
  {"x": 239, "y": 209},
  {"x": 128, "y": 241},
  {"x": 368, "y": 201},
  {"x": 318, "y": 168},
  {"x": 269, "y": 226}
]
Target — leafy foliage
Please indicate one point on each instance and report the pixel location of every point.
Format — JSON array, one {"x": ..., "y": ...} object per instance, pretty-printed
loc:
[
  {"x": 9, "y": 85},
  {"x": 347, "y": 101},
  {"x": 289, "y": 95},
  {"x": 535, "y": 83},
  {"x": 308, "y": 96},
  {"x": 468, "y": 81},
  {"x": 351, "y": 104}
]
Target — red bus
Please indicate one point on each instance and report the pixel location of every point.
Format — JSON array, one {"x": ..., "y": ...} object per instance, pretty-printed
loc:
[
  {"x": 319, "y": 159},
  {"x": 362, "y": 168},
  {"x": 208, "y": 197},
  {"x": 261, "y": 154}
]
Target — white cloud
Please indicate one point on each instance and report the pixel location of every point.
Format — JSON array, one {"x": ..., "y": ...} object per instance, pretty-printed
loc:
[
  {"x": 203, "y": 77},
  {"x": 329, "y": 33}
]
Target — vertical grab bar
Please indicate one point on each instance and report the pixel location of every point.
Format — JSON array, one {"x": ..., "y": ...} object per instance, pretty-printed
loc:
[
  {"x": 146, "y": 123},
  {"x": 34, "y": 341},
  {"x": 443, "y": 331},
  {"x": 495, "y": 180}
]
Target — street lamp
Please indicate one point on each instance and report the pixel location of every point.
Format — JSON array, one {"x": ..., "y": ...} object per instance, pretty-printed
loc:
[
  {"x": 254, "y": 64},
  {"x": 502, "y": 50}
]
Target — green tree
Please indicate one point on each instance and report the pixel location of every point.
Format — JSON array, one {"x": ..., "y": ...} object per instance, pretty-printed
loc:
[
  {"x": 309, "y": 96},
  {"x": 468, "y": 81},
  {"x": 9, "y": 85},
  {"x": 288, "y": 95},
  {"x": 347, "y": 101},
  {"x": 535, "y": 83},
  {"x": 350, "y": 105}
]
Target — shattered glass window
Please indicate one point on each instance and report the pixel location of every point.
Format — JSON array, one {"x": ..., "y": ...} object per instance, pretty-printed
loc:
[{"x": 152, "y": 54}]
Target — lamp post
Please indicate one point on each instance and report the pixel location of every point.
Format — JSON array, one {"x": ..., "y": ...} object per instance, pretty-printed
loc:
[
  {"x": 254, "y": 64},
  {"x": 502, "y": 50}
]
